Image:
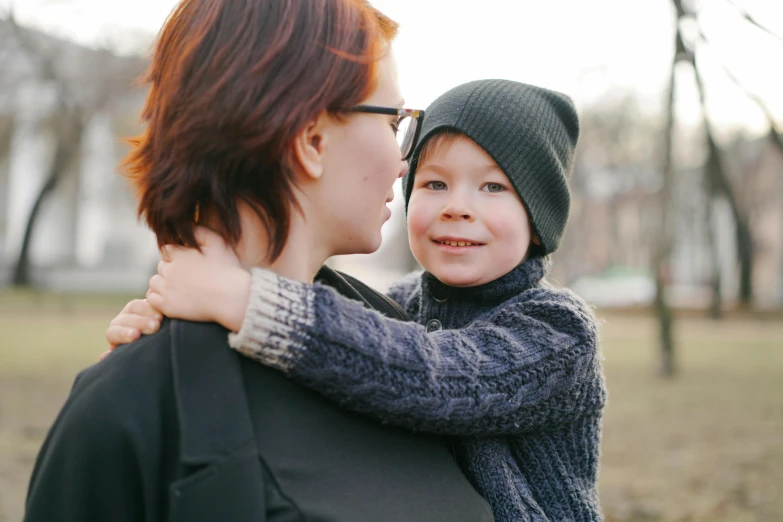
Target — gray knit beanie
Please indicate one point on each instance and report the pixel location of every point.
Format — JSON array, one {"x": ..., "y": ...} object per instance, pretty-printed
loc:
[{"x": 531, "y": 134}]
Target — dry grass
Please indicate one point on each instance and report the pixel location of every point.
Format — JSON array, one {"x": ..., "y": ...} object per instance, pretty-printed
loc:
[{"x": 706, "y": 446}]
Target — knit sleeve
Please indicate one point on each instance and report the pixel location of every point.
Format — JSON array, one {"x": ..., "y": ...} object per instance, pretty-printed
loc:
[{"x": 532, "y": 364}]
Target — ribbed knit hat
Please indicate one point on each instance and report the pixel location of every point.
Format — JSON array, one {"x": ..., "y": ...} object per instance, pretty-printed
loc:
[{"x": 531, "y": 134}]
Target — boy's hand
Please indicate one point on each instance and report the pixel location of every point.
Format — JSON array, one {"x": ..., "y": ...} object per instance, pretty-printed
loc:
[
  {"x": 137, "y": 318},
  {"x": 209, "y": 285}
]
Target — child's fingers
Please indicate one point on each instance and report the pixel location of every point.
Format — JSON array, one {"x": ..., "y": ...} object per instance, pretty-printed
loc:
[
  {"x": 139, "y": 307},
  {"x": 117, "y": 334},
  {"x": 143, "y": 323},
  {"x": 132, "y": 305},
  {"x": 154, "y": 298},
  {"x": 143, "y": 308},
  {"x": 104, "y": 355}
]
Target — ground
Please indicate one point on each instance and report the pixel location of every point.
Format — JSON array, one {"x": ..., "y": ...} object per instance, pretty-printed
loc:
[{"x": 704, "y": 446}]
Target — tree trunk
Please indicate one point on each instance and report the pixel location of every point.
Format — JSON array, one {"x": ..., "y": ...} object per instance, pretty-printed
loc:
[
  {"x": 720, "y": 183},
  {"x": 662, "y": 249},
  {"x": 668, "y": 367},
  {"x": 69, "y": 138},
  {"x": 745, "y": 252},
  {"x": 716, "y": 307},
  {"x": 6, "y": 134}
]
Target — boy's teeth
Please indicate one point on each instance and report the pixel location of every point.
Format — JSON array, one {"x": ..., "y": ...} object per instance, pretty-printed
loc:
[{"x": 457, "y": 243}]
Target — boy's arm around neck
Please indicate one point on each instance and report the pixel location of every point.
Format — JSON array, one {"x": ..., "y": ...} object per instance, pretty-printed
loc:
[{"x": 532, "y": 364}]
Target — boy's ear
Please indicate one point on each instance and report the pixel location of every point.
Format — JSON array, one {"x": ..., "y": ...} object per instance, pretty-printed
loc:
[{"x": 309, "y": 146}]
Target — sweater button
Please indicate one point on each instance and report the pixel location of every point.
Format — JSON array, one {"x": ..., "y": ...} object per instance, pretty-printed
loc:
[
  {"x": 439, "y": 295},
  {"x": 433, "y": 325}
]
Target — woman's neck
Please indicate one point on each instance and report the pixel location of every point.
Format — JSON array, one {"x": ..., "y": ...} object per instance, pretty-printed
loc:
[
  {"x": 301, "y": 257},
  {"x": 299, "y": 260}
]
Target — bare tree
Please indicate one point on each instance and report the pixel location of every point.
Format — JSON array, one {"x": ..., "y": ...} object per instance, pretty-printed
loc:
[
  {"x": 716, "y": 171},
  {"x": 69, "y": 130},
  {"x": 721, "y": 187},
  {"x": 663, "y": 246},
  {"x": 80, "y": 95},
  {"x": 774, "y": 135}
]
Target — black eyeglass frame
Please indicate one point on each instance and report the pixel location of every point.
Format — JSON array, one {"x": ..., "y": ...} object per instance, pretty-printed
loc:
[{"x": 416, "y": 114}]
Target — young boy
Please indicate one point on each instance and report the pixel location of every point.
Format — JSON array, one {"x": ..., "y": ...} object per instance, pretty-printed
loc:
[{"x": 496, "y": 357}]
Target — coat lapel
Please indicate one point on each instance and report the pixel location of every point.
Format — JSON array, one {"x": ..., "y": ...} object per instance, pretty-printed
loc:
[{"x": 216, "y": 433}]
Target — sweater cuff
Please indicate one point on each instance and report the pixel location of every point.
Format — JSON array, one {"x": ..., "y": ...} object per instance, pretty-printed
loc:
[{"x": 278, "y": 312}]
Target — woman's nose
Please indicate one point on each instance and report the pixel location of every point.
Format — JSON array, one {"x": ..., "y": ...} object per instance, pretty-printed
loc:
[{"x": 403, "y": 168}]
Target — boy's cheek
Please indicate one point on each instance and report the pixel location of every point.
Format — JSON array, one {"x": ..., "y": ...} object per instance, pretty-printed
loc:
[{"x": 417, "y": 226}]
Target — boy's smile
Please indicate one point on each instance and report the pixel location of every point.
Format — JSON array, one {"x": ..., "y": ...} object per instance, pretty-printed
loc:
[
  {"x": 461, "y": 244},
  {"x": 466, "y": 223}
]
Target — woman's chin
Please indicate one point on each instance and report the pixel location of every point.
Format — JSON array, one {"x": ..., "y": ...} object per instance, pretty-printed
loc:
[{"x": 368, "y": 246}]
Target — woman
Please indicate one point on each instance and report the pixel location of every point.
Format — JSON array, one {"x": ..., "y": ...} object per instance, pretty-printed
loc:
[{"x": 272, "y": 122}]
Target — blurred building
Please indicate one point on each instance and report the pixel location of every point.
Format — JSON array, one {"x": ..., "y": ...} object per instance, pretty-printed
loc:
[{"x": 615, "y": 215}]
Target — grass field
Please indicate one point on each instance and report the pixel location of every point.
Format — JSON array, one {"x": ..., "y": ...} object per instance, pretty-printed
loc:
[{"x": 706, "y": 446}]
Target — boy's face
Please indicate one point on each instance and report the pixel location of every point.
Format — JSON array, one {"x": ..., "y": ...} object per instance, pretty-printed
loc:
[{"x": 466, "y": 223}]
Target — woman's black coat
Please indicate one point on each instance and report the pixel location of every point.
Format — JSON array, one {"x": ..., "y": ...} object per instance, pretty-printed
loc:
[{"x": 178, "y": 427}]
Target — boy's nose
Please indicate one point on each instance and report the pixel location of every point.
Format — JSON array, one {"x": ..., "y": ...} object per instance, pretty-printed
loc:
[{"x": 456, "y": 209}]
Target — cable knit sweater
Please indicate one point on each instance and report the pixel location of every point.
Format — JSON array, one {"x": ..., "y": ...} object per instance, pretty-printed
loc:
[{"x": 511, "y": 368}]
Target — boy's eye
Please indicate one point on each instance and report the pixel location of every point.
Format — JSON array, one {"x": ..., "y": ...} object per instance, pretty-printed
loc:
[
  {"x": 493, "y": 187},
  {"x": 395, "y": 125},
  {"x": 436, "y": 185}
]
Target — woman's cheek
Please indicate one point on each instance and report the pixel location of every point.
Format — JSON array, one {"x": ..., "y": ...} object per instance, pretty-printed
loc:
[
  {"x": 394, "y": 159},
  {"x": 383, "y": 153}
]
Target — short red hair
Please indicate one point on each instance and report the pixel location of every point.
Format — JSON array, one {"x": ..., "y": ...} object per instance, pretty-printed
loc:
[{"x": 232, "y": 82}]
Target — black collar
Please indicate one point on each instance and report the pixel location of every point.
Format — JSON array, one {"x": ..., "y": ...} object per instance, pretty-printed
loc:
[
  {"x": 526, "y": 275},
  {"x": 213, "y": 412}
]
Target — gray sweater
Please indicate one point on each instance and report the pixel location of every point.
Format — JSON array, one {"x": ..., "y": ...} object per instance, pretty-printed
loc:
[{"x": 511, "y": 368}]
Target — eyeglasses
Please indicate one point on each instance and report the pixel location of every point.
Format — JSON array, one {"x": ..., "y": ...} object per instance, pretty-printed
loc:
[{"x": 407, "y": 127}]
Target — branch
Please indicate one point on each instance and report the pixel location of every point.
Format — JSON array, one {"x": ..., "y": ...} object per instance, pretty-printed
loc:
[
  {"x": 682, "y": 12},
  {"x": 45, "y": 62},
  {"x": 72, "y": 96},
  {"x": 774, "y": 135},
  {"x": 753, "y": 21}
]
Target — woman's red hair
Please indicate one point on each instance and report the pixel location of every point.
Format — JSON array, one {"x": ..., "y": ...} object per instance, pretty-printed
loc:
[{"x": 232, "y": 82}]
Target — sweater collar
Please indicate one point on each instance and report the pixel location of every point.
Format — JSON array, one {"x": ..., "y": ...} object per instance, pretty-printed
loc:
[{"x": 525, "y": 276}]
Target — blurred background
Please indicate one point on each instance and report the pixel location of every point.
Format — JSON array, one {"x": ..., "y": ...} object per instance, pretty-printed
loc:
[{"x": 675, "y": 235}]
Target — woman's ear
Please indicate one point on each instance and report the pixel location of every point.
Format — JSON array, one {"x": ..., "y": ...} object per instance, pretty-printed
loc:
[
  {"x": 310, "y": 146},
  {"x": 536, "y": 240}
]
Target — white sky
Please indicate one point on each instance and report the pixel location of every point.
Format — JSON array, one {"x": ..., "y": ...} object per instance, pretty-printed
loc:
[{"x": 588, "y": 49}]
